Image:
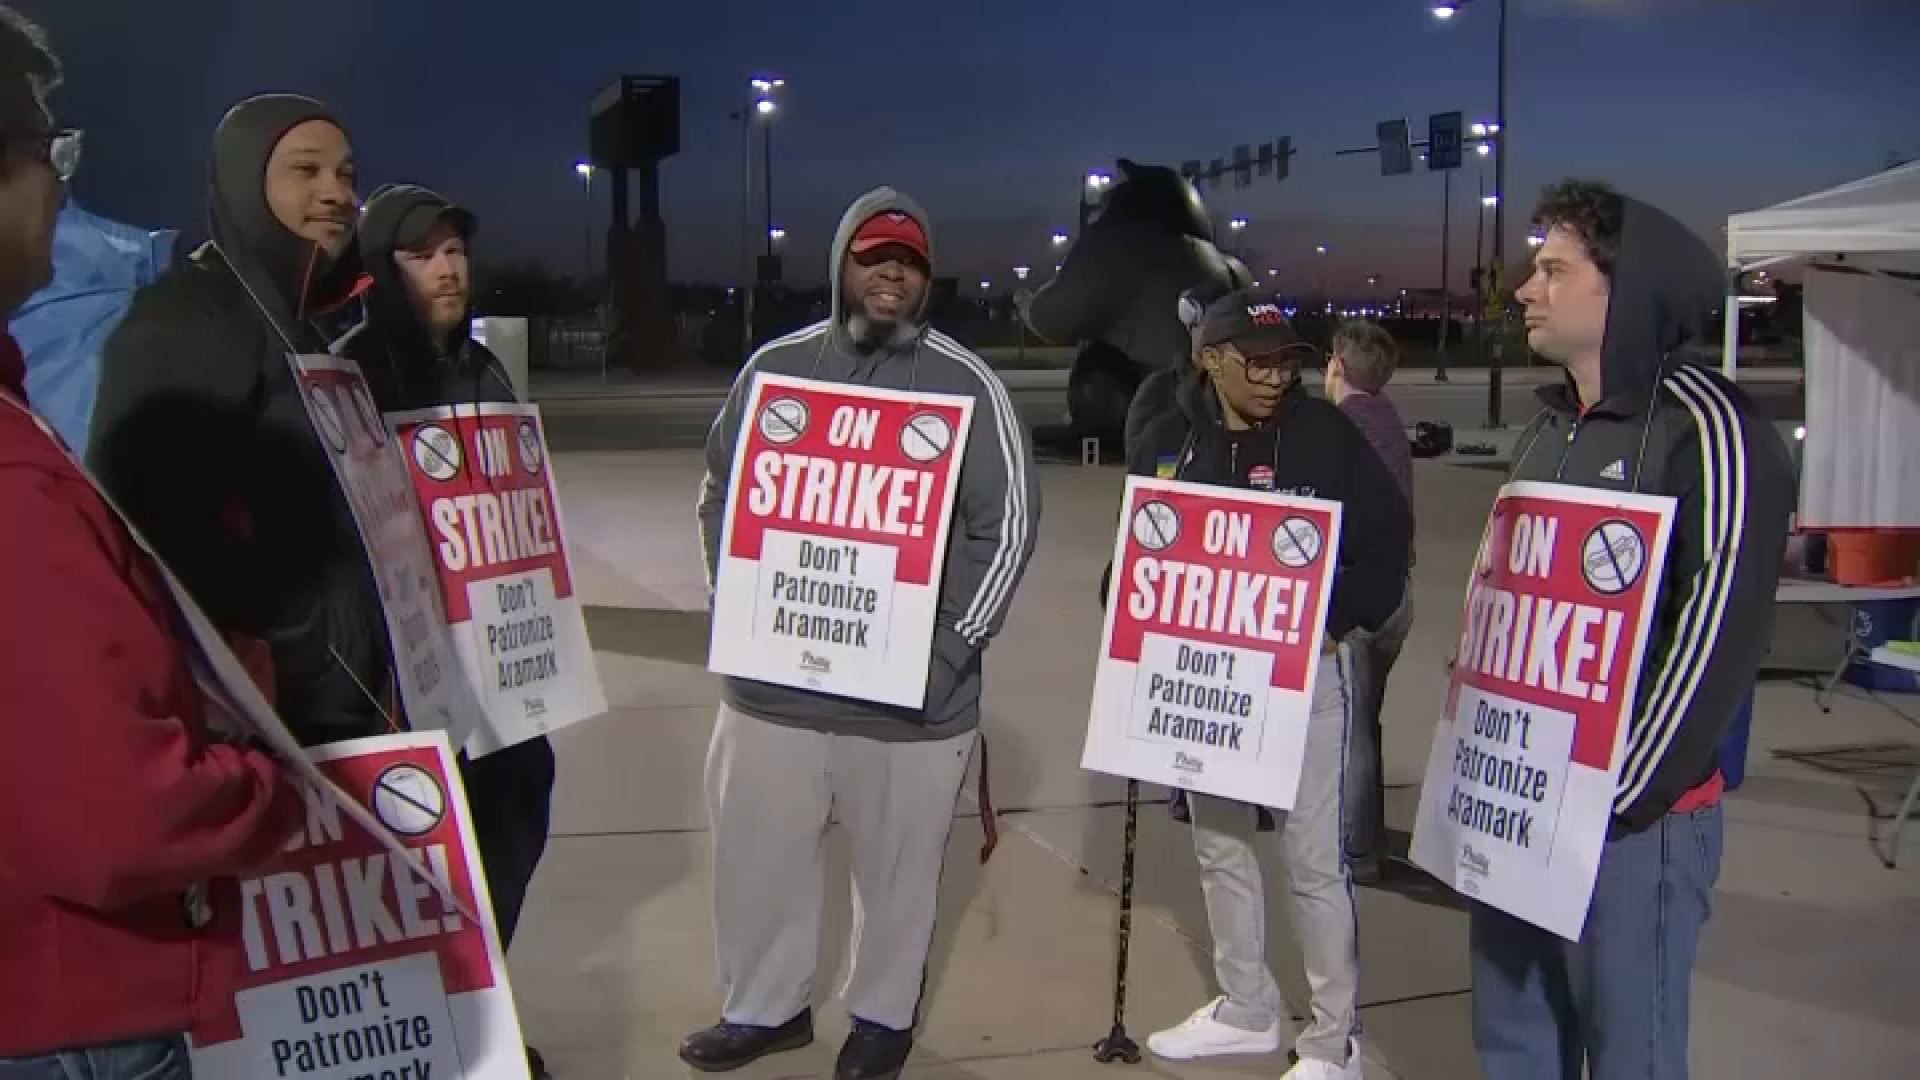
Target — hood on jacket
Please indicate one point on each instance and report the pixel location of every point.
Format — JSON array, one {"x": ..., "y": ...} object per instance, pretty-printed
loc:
[
  {"x": 1666, "y": 286},
  {"x": 878, "y": 201},
  {"x": 394, "y": 212},
  {"x": 288, "y": 274}
]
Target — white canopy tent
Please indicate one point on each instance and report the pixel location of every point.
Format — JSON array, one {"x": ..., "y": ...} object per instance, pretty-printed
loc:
[
  {"x": 1871, "y": 223},
  {"x": 1862, "y": 341}
]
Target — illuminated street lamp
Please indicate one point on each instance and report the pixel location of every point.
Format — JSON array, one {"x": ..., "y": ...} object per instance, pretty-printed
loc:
[
  {"x": 1490, "y": 200},
  {"x": 1021, "y": 272},
  {"x": 776, "y": 234},
  {"x": 1536, "y": 240},
  {"x": 1092, "y": 189},
  {"x": 985, "y": 285},
  {"x": 584, "y": 170},
  {"x": 1059, "y": 238}
]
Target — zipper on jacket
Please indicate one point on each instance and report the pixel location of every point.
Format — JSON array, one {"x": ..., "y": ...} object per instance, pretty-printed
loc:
[{"x": 1560, "y": 470}]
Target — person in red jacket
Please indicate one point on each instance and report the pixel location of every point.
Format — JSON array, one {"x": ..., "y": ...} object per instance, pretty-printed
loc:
[{"x": 124, "y": 820}]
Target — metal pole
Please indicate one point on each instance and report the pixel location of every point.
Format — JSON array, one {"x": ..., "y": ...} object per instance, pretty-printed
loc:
[
  {"x": 766, "y": 164},
  {"x": 746, "y": 233},
  {"x": 1446, "y": 269},
  {"x": 1480, "y": 249},
  {"x": 1499, "y": 225}
]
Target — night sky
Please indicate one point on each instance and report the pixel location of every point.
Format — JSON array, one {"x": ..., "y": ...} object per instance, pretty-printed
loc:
[{"x": 991, "y": 111}]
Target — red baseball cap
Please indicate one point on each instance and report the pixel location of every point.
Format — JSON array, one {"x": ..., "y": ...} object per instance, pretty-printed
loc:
[{"x": 891, "y": 227}]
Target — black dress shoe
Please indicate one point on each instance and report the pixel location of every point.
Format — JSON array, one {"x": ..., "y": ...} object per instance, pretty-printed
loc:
[
  {"x": 537, "y": 1065},
  {"x": 873, "y": 1052},
  {"x": 725, "y": 1047}
]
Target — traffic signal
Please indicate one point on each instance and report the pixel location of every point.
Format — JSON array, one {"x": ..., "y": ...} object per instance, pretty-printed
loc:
[
  {"x": 1282, "y": 155},
  {"x": 1445, "y": 133},
  {"x": 1396, "y": 150}
]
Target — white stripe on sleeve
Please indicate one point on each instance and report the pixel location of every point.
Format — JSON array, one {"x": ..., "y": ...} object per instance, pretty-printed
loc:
[
  {"x": 1723, "y": 511},
  {"x": 996, "y": 585}
]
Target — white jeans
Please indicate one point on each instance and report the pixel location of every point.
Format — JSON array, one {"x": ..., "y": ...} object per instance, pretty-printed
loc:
[{"x": 1323, "y": 910}]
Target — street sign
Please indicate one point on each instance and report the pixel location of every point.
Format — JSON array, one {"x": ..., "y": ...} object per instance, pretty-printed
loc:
[
  {"x": 1444, "y": 134},
  {"x": 1396, "y": 151}
]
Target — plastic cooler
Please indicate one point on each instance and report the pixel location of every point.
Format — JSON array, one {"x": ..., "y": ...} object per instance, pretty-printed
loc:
[{"x": 1876, "y": 622}]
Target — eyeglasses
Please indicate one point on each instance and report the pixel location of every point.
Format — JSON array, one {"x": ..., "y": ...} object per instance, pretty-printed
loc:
[{"x": 62, "y": 151}]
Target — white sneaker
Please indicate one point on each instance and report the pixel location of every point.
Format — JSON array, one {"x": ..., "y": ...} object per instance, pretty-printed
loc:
[
  {"x": 1316, "y": 1069},
  {"x": 1201, "y": 1035}
]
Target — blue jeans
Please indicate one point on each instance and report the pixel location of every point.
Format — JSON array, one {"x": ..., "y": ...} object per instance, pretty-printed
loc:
[
  {"x": 163, "y": 1058},
  {"x": 1617, "y": 999}
]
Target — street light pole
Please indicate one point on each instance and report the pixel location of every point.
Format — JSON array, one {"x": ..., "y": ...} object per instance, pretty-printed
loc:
[
  {"x": 1499, "y": 224},
  {"x": 746, "y": 233},
  {"x": 1446, "y": 270},
  {"x": 1496, "y": 278},
  {"x": 762, "y": 107},
  {"x": 766, "y": 180}
]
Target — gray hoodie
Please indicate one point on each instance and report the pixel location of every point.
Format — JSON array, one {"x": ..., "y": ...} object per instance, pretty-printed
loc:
[{"x": 996, "y": 514}]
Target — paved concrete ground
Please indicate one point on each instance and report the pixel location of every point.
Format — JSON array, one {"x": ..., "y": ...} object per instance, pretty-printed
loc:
[{"x": 1809, "y": 968}]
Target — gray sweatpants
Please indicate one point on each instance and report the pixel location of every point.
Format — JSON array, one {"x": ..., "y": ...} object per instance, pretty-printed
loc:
[
  {"x": 1323, "y": 911},
  {"x": 770, "y": 790}
]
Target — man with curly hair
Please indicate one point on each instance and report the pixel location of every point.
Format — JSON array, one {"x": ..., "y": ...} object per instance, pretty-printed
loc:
[{"x": 1617, "y": 287}]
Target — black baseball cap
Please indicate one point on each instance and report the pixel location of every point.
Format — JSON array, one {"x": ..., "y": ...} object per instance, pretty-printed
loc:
[
  {"x": 403, "y": 215},
  {"x": 1252, "y": 321}
]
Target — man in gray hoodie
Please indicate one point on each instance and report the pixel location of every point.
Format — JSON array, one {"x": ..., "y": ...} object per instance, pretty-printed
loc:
[{"x": 782, "y": 758}]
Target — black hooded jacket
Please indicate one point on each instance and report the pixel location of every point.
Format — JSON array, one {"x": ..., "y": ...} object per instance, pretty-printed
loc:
[
  {"x": 1309, "y": 447},
  {"x": 201, "y": 437},
  {"x": 1664, "y": 426},
  {"x": 404, "y": 366}
]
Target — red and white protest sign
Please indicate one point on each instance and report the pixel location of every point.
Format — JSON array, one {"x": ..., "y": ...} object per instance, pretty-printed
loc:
[
  {"x": 354, "y": 967},
  {"x": 1215, "y": 618},
  {"x": 485, "y": 490},
  {"x": 835, "y": 537},
  {"x": 367, "y": 462},
  {"x": 433, "y": 877},
  {"x": 1520, "y": 783}
]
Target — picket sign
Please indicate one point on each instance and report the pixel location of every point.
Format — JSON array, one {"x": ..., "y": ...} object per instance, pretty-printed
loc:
[
  {"x": 834, "y": 539},
  {"x": 483, "y": 484},
  {"x": 1212, "y": 639},
  {"x": 1526, "y": 760}
]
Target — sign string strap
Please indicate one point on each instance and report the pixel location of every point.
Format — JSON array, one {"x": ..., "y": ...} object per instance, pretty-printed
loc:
[
  {"x": 393, "y": 725},
  {"x": 989, "y": 826}
]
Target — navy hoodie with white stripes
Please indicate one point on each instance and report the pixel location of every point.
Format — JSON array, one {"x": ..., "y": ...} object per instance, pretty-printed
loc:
[
  {"x": 996, "y": 512},
  {"x": 1665, "y": 426}
]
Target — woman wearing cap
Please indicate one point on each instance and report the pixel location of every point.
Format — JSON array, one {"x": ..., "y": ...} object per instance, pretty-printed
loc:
[{"x": 1239, "y": 418}]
